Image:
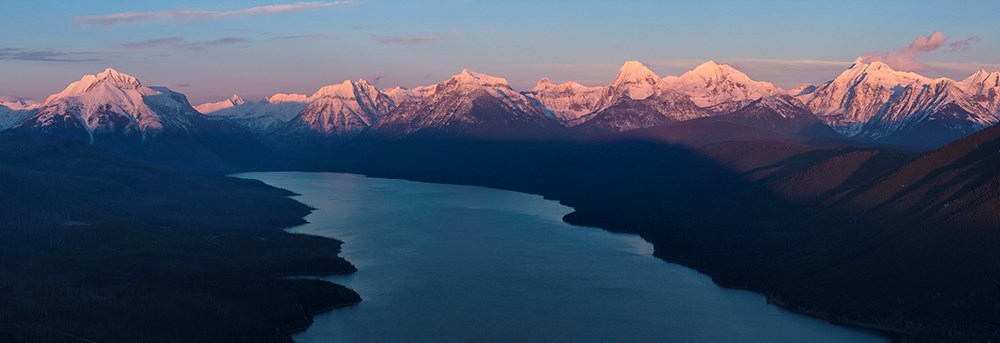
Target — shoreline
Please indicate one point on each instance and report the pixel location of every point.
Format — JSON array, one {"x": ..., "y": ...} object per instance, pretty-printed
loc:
[
  {"x": 320, "y": 311},
  {"x": 892, "y": 334}
]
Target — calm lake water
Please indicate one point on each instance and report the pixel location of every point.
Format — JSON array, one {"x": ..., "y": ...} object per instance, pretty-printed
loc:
[{"x": 445, "y": 263}]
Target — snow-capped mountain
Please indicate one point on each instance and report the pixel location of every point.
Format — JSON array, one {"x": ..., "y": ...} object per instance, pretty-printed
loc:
[
  {"x": 872, "y": 101},
  {"x": 264, "y": 116},
  {"x": 712, "y": 84},
  {"x": 400, "y": 94},
  {"x": 118, "y": 111},
  {"x": 567, "y": 101},
  {"x": 344, "y": 109},
  {"x": 210, "y": 107},
  {"x": 634, "y": 81},
  {"x": 17, "y": 103},
  {"x": 112, "y": 105},
  {"x": 637, "y": 98},
  {"x": 984, "y": 87},
  {"x": 469, "y": 104},
  {"x": 14, "y": 109}
]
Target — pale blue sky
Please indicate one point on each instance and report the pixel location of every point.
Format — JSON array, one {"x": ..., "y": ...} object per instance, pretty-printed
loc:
[{"x": 211, "y": 49}]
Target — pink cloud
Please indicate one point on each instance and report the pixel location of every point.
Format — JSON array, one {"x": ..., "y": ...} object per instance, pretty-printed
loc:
[
  {"x": 962, "y": 44},
  {"x": 907, "y": 58},
  {"x": 928, "y": 43},
  {"x": 177, "y": 42},
  {"x": 184, "y": 14}
]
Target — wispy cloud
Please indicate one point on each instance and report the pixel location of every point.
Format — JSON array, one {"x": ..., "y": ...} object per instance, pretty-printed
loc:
[
  {"x": 178, "y": 42},
  {"x": 408, "y": 40},
  {"x": 188, "y": 15},
  {"x": 22, "y": 54},
  {"x": 963, "y": 44},
  {"x": 304, "y": 37},
  {"x": 221, "y": 41},
  {"x": 373, "y": 80},
  {"x": 183, "y": 85},
  {"x": 155, "y": 43},
  {"x": 908, "y": 58}
]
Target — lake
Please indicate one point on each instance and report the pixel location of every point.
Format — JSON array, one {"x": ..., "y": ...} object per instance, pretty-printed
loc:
[{"x": 448, "y": 263}]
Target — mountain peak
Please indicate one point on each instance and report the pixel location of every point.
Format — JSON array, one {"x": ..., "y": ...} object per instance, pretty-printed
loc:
[
  {"x": 879, "y": 72},
  {"x": 344, "y": 90},
  {"x": 469, "y": 77},
  {"x": 635, "y": 71},
  {"x": 542, "y": 84},
  {"x": 715, "y": 71},
  {"x": 107, "y": 79},
  {"x": 210, "y": 107},
  {"x": 864, "y": 63},
  {"x": 637, "y": 81},
  {"x": 879, "y": 65},
  {"x": 983, "y": 76},
  {"x": 117, "y": 78},
  {"x": 710, "y": 65},
  {"x": 17, "y": 103},
  {"x": 111, "y": 72},
  {"x": 710, "y": 84}
]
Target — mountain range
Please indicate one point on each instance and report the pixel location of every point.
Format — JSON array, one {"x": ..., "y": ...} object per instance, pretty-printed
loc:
[{"x": 868, "y": 102}]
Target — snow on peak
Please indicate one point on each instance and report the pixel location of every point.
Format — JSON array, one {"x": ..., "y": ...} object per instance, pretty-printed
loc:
[
  {"x": 568, "y": 101},
  {"x": 117, "y": 77},
  {"x": 210, "y": 107},
  {"x": 400, "y": 94},
  {"x": 636, "y": 80},
  {"x": 469, "y": 77},
  {"x": 345, "y": 108},
  {"x": 877, "y": 72},
  {"x": 984, "y": 87},
  {"x": 542, "y": 84},
  {"x": 17, "y": 103},
  {"x": 343, "y": 90},
  {"x": 714, "y": 71},
  {"x": 283, "y": 98},
  {"x": 635, "y": 72},
  {"x": 103, "y": 82},
  {"x": 115, "y": 102},
  {"x": 711, "y": 84},
  {"x": 546, "y": 85},
  {"x": 991, "y": 79},
  {"x": 873, "y": 100}
]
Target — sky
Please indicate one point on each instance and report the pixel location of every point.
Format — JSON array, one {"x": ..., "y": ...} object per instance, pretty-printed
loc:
[{"x": 211, "y": 49}]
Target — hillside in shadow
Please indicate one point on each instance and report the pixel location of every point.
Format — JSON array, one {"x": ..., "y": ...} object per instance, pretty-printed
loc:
[{"x": 95, "y": 247}]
